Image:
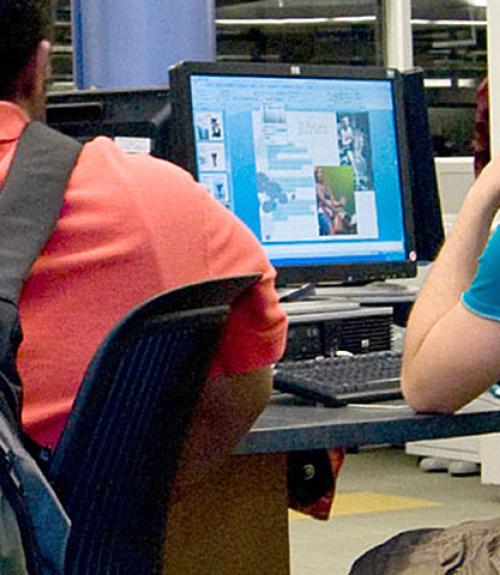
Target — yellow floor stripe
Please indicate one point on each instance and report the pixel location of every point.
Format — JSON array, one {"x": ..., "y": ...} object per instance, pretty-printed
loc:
[{"x": 369, "y": 502}]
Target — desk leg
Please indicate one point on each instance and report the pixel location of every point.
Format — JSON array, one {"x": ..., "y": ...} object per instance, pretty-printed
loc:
[{"x": 236, "y": 524}]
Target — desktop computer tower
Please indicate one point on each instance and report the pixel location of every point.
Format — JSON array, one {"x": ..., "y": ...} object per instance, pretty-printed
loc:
[
  {"x": 360, "y": 330},
  {"x": 363, "y": 334}
]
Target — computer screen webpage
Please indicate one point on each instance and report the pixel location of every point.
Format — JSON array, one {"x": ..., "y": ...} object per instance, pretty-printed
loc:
[{"x": 311, "y": 165}]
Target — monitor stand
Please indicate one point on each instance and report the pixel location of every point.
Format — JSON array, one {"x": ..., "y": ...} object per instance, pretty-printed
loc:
[
  {"x": 302, "y": 300},
  {"x": 399, "y": 296},
  {"x": 383, "y": 291},
  {"x": 312, "y": 298},
  {"x": 364, "y": 291},
  {"x": 296, "y": 293}
]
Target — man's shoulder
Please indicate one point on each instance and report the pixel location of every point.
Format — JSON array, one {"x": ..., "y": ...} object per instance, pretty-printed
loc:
[
  {"x": 159, "y": 189},
  {"x": 104, "y": 160},
  {"x": 105, "y": 150}
]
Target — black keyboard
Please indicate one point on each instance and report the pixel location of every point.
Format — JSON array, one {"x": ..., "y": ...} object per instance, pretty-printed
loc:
[{"x": 336, "y": 381}]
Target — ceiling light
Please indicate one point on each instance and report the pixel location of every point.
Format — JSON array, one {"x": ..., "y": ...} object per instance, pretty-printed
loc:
[
  {"x": 293, "y": 21},
  {"x": 450, "y": 23}
]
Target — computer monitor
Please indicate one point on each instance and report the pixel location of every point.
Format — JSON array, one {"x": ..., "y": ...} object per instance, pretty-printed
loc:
[
  {"x": 136, "y": 119},
  {"x": 427, "y": 216},
  {"x": 312, "y": 158}
]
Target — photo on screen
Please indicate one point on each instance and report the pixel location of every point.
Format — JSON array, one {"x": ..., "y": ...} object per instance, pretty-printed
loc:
[
  {"x": 218, "y": 186},
  {"x": 273, "y": 114},
  {"x": 335, "y": 199},
  {"x": 355, "y": 147},
  {"x": 212, "y": 158},
  {"x": 209, "y": 127}
]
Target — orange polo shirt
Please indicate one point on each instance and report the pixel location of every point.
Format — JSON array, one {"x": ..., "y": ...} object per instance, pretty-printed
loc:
[{"x": 131, "y": 226}]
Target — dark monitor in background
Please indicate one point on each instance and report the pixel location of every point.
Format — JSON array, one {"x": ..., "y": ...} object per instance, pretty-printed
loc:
[
  {"x": 136, "y": 119},
  {"x": 312, "y": 158},
  {"x": 427, "y": 216},
  {"x": 452, "y": 110},
  {"x": 452, "y": 129}
]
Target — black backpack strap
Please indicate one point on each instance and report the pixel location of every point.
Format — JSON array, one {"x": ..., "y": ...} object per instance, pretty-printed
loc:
[
  {"x": 30, "y": 203},
  {"x": 31, "y": 200}
]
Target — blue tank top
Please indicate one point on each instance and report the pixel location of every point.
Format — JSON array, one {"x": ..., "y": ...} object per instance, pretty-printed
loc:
[{"x": 483, "y": 295}]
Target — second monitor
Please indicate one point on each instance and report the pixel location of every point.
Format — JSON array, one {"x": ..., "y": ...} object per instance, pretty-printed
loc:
[{"x": 312, "y": 158}]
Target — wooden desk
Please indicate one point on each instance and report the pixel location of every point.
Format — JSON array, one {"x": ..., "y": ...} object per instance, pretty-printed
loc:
[{"x": 237, "y": 524}]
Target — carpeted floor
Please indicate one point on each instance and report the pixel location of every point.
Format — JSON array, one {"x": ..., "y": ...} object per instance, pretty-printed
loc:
[{"x": 380, "y": 493}]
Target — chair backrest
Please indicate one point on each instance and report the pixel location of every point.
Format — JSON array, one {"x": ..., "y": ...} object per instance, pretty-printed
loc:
[{"x": 114, "y": 465}]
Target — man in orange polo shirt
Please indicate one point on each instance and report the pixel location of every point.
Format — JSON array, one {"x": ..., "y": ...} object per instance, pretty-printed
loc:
[{"x": 130, "y": 226}]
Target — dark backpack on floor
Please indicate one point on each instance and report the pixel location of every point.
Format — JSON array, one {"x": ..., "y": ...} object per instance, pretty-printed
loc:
[{"x": 33, "y": 525}]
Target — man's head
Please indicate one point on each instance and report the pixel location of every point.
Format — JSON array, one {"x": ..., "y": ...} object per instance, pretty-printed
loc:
[{"x": 25, "y": 34}]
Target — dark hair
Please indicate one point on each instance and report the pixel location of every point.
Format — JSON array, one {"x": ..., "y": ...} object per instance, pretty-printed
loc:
[{"x": 23, "y": 24}]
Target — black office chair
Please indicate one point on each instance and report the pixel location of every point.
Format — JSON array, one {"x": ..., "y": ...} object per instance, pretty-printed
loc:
[{"x": 114, "y": 465}]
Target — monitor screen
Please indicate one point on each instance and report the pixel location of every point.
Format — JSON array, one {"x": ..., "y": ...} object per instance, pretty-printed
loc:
[{"x": 312, "y": 159}]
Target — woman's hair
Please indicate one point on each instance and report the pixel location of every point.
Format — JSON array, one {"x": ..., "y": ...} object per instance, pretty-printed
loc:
[{"x": 23, "y": 24}]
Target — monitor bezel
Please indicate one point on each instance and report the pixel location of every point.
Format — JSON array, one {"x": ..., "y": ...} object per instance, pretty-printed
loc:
[{"x": 183, "y": 153}]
